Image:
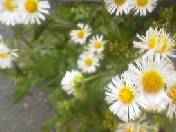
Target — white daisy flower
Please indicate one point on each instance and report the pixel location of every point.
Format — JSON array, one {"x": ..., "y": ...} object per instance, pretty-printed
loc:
[
  {"x": 124, "y": 98},
  {"x": 140, "y": 126},
  {"x": 156, "y": 41},
  {"x": 33, "y": 11},
  {"x": 80, "y": 35},
  {"x": 88, "y": 62},
  {"x": 6, "y": 55},
  {"x": 147, "y": 42},
  {"x": 70, "y": 81},
  {"x": 141, "y": 7},
  {"x": 118, "y": 7},
  {"x": 171, "y": 94},
  {"x": 152, "y": 74},
  {"x": 9, "y": 12},
  {"x": 166, "y": 44},
  {"x": 97, "y": 45},
  {"x": 129, "y": 127}
]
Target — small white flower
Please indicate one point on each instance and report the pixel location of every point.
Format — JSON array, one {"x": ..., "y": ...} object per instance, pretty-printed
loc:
[
  {"x": 80, "y": 35},
  {"x": 152, "y": 74},
  {"x": 147, "y": 42},
  {"x": 166, "y": 44},
  {"x": 124, "y": 98},
  {"x": 69, "y": 81},
  {"x": 9, "y": 12},
  {"x": 141, "y": 7},
  {"x": 97, "y": 45},
  {"x": 6, "y": 55},
  {"x": 88, "y": 62},
  {"x": 33, "y": 11},
  {"x": 118, "y": 7},
  {"x": 156, "y": 41}
]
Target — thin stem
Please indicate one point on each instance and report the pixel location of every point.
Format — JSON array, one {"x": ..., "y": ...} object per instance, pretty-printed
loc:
[
  {"x": 96, "y": 76},
  {"x": 24, "y": 39},
  {"x": 27, "y": 42}
]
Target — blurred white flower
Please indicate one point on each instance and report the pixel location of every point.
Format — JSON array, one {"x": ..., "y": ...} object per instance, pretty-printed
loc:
[
  {"x": 33, "y": 11},
  {"x": 70, "y": 81},
  {"x": 117, "y": 7},
  {"x": 140, "y": 126},
  {"x": 6, "y": 55},
  {"x": 147, "y": 42},
  {"x": 9, "y": 12},
  {"x": 97, "y": 45},
  {"x": 166, "y": 44},
  {"x": 141, "y": 7},
  {"x": 88, "y": 62},
  {"x": 80, "y": 35}
]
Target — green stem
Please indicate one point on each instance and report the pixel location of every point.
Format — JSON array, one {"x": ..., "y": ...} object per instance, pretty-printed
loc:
[
  {"x": 96, "y": 76},
  {"x": 27, "y": 42},
  {"x": 24, "y": 39}
]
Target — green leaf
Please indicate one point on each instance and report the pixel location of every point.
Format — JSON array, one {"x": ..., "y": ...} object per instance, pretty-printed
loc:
[{"x": 23, "y": 87}]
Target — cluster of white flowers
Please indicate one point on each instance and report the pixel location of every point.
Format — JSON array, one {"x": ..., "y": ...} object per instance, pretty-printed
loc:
[
  {"x": 120, "y": 7},
  {"x": 89, "y": 59},
  {"x": 23, "y": 11},
  {"x": 149, "y": 83},
  {"x": 7, "y": 55},
  {"x": 156, "y": 41}
]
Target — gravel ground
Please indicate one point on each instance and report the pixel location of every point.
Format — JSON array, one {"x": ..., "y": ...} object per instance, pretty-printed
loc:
[
  {"x": 29, "y": 114},
  {"x": 26, "y": 116}
]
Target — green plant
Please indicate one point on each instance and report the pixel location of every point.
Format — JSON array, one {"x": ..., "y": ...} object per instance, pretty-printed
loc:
[{"x": 48, "y": 52}]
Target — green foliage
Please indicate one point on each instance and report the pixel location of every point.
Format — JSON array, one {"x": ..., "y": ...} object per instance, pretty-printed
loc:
[{"x": 48, "y": 53}]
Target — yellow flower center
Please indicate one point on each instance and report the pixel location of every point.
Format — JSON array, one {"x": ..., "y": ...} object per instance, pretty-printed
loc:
[
  {"x": 152, "y": 82},
  {"x": 165, "y": 44},
  {"x": 31, "y": 6},
  {"x": 9, "y": 5},
  {"x": 156, "y": 43},
  {"x": 165, "y": 47},
  {"x": 98, "y": 45},
  {"x": 4, "y": 55},
  {"x": 120, "y": 2},
  {"x": 129, "y": 130},
  {"x": 81, "y": 34},
  {"x": 172, "y": 93},
  {"x": 126, "y": 95},
  {"x": 153, "y": 42},
  {"x": 142, "y": 3},
  {"x": 89, "y": 62}
]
